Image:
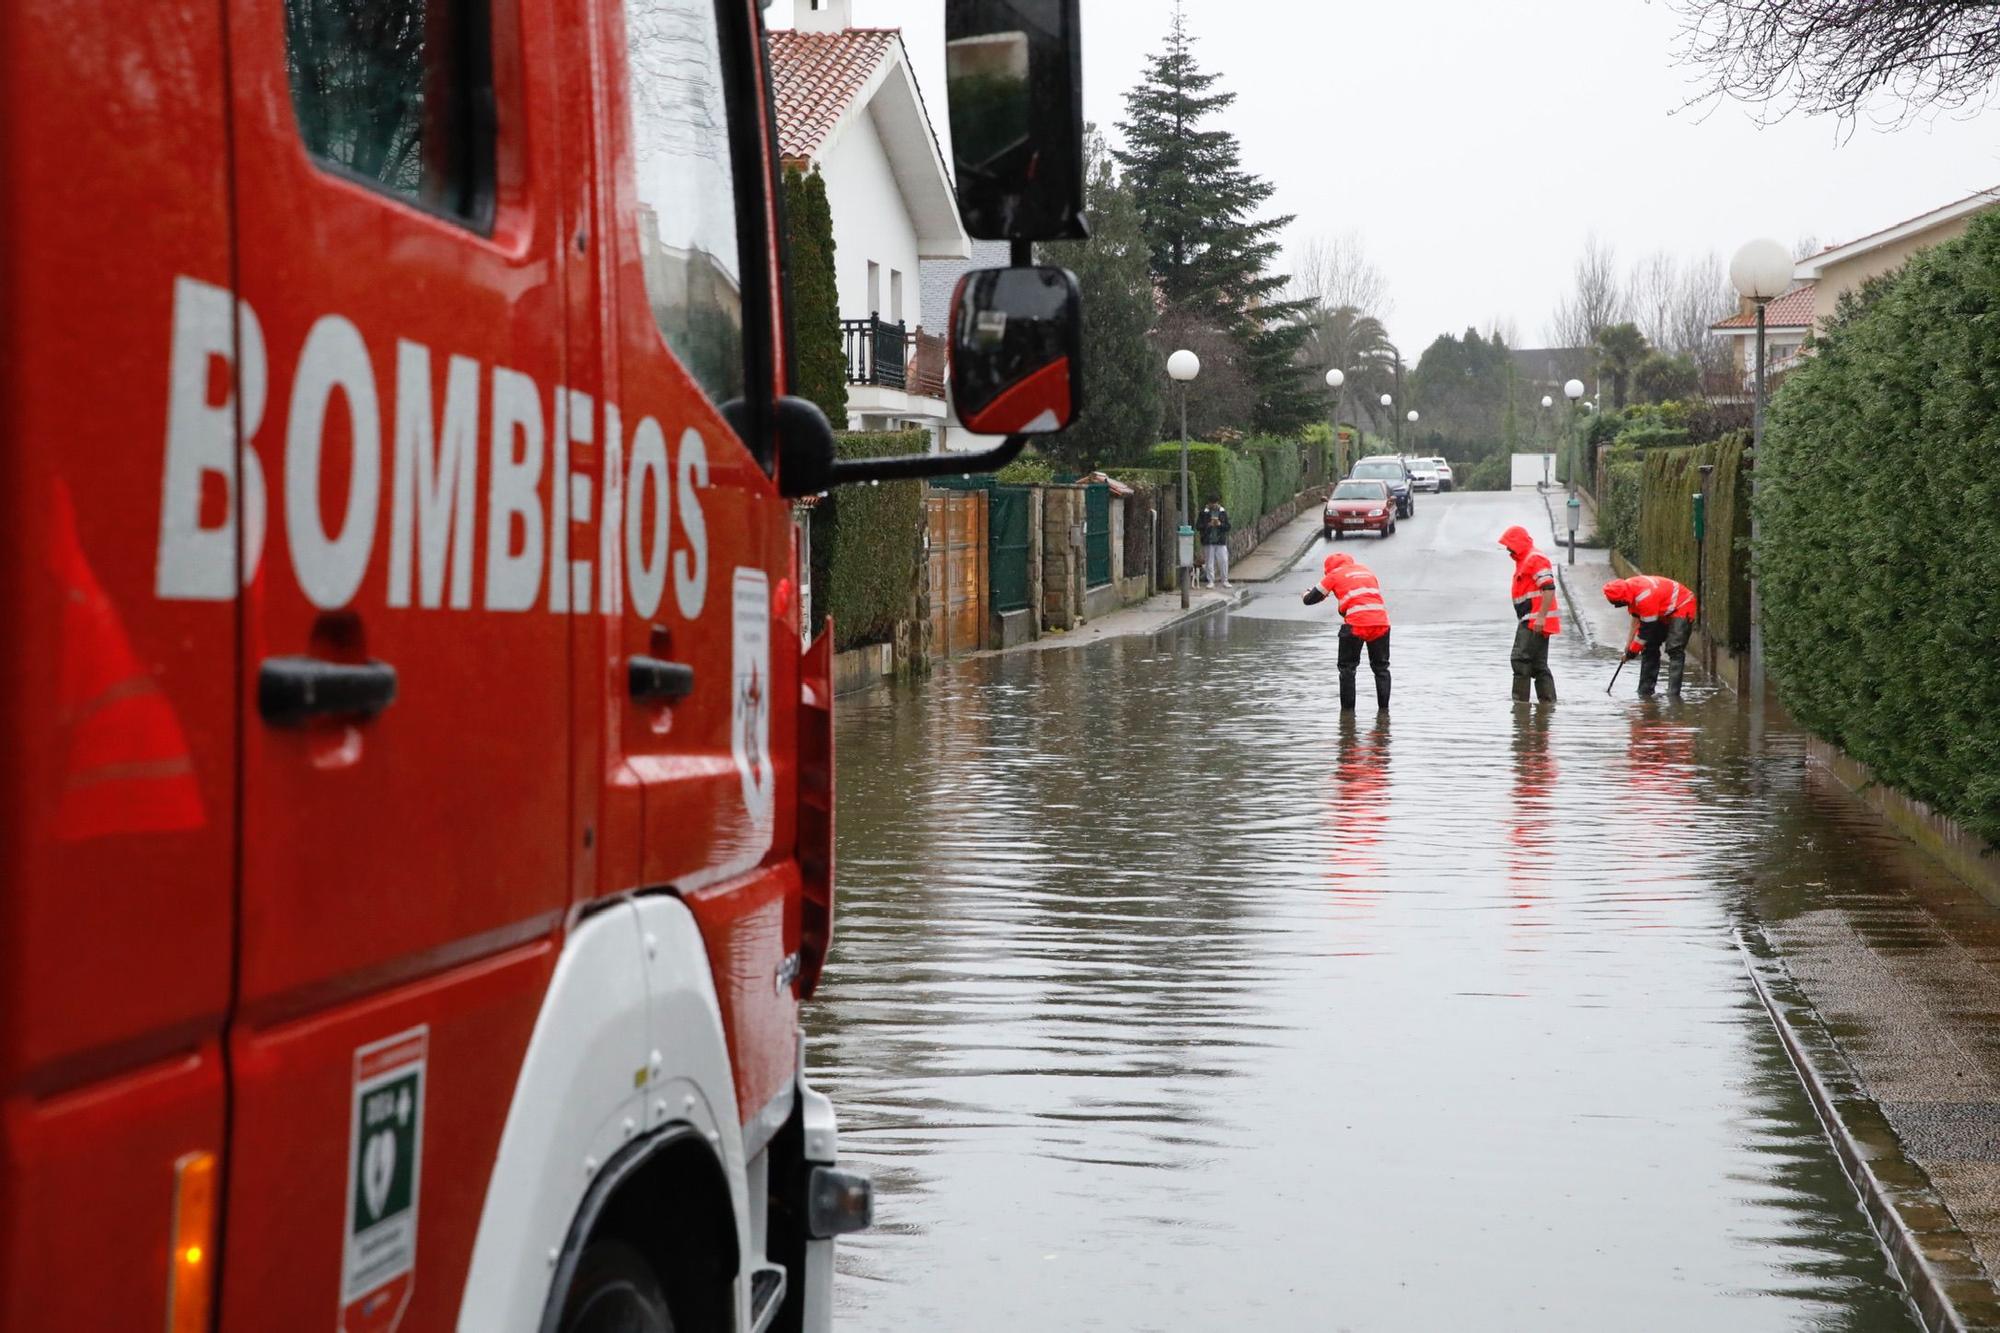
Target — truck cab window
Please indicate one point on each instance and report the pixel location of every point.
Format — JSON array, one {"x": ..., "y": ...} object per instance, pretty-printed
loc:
[
  {"x": 398, "y": 94},
  {"x": 688, "y": 225}
]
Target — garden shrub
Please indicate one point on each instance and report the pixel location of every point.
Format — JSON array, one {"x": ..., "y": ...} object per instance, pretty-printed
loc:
[
  {"x": 1880, "y": 509},
  {"x": 867, "y": 551}
]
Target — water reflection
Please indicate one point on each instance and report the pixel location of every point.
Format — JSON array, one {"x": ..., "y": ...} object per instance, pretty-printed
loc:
[{"x": 1160, "y": 1000}]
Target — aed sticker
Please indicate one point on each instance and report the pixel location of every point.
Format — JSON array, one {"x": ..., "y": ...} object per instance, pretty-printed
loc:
[
  {"x": 750, "y": 695},
  {"x": 385, "y": 1142}
]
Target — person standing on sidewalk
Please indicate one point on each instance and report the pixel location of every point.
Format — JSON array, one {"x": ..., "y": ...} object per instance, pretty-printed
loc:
[
  {"x": 1663, "y": 613},
  {"x": 1214, "y": 524},
  {"x": 1364, "y": 615},
  {"x": 1538, "y": 613}
]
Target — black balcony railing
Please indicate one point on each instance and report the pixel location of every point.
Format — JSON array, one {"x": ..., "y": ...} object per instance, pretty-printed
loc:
[{"x": 875, "y": 351}]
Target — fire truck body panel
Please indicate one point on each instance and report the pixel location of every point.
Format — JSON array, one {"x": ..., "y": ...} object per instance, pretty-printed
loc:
[
  {"x": 269, "y": 414},
  {"x": 117, "y": 710}
]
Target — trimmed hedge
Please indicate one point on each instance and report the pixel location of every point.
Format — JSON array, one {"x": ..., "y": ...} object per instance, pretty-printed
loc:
[
  {"x": 1880, "y": 551},
  {"x": 1284, "y": 469},
  {"x": 867, "y": 547},
  {"x": 1215, "y": 469},
  {"x": 1666, "y": 542},
  {"x": 1618, "y": 509}
]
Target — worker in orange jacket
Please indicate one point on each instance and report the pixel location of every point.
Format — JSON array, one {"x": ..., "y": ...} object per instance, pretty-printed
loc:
[
  {"x": 1663, "y": 615},
  {"x": 1536, "y": 610},
  {"x": 1357, "y": 595}
]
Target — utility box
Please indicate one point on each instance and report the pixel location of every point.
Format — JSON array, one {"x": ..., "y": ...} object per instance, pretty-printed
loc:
[
  {"x": 1700, "y": 515},
  {"x": 1187, "y": 547}
]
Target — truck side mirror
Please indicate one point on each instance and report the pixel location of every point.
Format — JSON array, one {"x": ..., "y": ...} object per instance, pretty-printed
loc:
[
  {"x": 1016, "y": 350},
  {"x": 1014, "y": 78}
]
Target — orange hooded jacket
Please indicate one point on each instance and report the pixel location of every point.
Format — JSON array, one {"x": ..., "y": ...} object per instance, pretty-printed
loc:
[
  {"x": 1534, "y": 589},
  {"x": 1357, "y": 595}
]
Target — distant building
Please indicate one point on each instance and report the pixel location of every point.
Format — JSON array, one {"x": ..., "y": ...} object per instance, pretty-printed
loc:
[{"x": 848, "y": 103}]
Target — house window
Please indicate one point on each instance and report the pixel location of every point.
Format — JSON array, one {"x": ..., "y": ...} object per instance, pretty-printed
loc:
[
  {"x": 895, "y": 296},
  {"x": 398, "y": 94},
  {"x": 874, "y": 288},
  {"x": 688, "y": 224}
]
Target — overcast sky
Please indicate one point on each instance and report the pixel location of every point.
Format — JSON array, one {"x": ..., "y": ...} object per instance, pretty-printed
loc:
[{"x": 1474, "y": 145}]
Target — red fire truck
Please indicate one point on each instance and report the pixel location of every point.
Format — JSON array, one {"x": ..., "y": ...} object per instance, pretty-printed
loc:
[{"x": 418, "y": 826}]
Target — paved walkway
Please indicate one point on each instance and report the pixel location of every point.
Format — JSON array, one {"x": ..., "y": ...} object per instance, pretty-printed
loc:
[
  {"x": 1274, "y": 556},
  {"x": 1602, "y": 624}
]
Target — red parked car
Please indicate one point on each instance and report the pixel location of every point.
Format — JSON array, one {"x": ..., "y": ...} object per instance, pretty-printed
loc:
[{"x": 1358, "y": 506}]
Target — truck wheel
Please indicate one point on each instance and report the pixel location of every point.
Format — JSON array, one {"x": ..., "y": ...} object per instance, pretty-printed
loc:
[{"x": 615, "y": 1291}]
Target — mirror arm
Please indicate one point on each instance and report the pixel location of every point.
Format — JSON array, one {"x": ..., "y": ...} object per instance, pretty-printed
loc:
[{"x": 847, "y": 471}]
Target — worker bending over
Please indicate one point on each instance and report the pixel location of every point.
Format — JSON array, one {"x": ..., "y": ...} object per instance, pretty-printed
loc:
[
  {"x": 1535, "y": 607},
  {"x": 1357, "y": 595},
  {"x": 1663, "y": 613}
]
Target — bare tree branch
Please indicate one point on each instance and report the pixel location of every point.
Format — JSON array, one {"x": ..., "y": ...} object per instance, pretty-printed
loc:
[{"x": 1835, "y": 56}]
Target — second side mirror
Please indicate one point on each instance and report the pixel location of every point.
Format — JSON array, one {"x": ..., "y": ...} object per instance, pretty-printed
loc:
[
  {"x": 1013, "y": 77},
  {"x": 1016, "y": 351}
]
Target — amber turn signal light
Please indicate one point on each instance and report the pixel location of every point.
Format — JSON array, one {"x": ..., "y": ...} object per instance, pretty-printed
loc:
[{"x": 191, "y": 1263}]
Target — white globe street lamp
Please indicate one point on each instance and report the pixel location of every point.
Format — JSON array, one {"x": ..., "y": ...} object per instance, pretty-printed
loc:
[
  {"x": 1182, "y": 367},
  {"x": 1761, "y": 271},
  {"x": 1573, "y": 390},
  {"x": 1335, "y": 378},
  {"x": 1548, "y": 401},
  {"x": 1412, "y": 416}
]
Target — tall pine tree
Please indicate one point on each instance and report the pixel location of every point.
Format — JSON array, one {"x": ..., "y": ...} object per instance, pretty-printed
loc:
[
  {"x": 1212, "y": 257},
  {"x": 1121, "y": 399}
]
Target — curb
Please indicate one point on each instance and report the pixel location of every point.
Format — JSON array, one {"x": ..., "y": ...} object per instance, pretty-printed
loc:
[
  {"x": 1934, "y": 1259},
  {"x": 1237, "y": 597},
  {"x": 1285, "y": 565},
  {"x": 1576, "y": 615}
]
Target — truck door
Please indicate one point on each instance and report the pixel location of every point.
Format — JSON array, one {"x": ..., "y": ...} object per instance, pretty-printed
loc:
[
  {"x": 708, "y": 584},
  {"x": 406, "y": 209}
]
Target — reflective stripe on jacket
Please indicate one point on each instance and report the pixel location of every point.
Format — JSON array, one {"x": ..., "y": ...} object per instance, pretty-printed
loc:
[
  {"x": 1652, "y": 598},
  {"x": 1358, "y": 596}
]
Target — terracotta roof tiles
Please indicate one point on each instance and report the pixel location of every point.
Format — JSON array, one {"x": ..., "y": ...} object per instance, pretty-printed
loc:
[
  {"x": 1793, "y": 310},
  {"x": 814, "y": 75}
]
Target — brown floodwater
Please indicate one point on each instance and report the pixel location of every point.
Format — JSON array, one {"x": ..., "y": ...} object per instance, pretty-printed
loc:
[{"x": 1165, "y": 998}]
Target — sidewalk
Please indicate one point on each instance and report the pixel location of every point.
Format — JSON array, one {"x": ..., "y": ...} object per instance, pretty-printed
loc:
[{"x": 1274, "y": 557}]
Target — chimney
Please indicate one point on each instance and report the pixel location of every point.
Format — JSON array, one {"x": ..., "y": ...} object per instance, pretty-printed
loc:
[{"x": 822, "y": 15}]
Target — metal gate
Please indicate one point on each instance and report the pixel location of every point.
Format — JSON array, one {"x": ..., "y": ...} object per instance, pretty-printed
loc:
[
  {"x": 1096, "y": 535},
  {"x": 956, "y": 530},
  {"x": 1007, "y": 533}
]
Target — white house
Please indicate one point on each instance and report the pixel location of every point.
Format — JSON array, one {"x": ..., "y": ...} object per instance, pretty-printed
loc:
[{"x": 848, "y": 103}]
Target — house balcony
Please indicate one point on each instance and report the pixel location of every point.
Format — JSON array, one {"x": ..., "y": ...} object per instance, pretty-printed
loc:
[{"x": 892, "y": 371}]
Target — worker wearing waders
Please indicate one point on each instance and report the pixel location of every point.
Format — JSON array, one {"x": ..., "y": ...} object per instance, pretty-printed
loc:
[
  {"x": 1534, "y": 594},
  {"x": 1663, "y": 613},
  {"x": 1357, "y": 595}
]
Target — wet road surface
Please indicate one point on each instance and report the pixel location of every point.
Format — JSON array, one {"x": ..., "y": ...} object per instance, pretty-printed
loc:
[{"x": 1163, "y": 998}]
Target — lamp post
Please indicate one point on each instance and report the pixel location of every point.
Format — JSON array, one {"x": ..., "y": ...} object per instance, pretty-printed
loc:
[
  {"x": 1761, "y": 272},
  {"x": 1183, "y": 366},
  {"x": 1701, "y": 563},
  {"x": 1573, "y": 390},
  {"x": 1335, "y": 378},
  {"x": 1388, "y": 411},
  {"x": 1547, "y": 403}
]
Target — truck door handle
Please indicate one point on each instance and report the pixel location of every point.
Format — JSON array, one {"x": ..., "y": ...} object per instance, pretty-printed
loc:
[
  {"x": 652, "y": 680},
  {"x": 291, "y": 690}
]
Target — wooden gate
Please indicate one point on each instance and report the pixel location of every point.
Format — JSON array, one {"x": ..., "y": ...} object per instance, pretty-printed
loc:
[{"x": 955, "y": 522}]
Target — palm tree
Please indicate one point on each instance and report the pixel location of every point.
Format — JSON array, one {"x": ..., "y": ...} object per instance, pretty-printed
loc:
[
  {"x": 1620, "y": 348},
  {"x": 1359, "y": 345}
]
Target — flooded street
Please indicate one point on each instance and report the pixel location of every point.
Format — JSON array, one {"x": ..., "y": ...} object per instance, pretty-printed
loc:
[{"x": 1165, "y": 998}]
